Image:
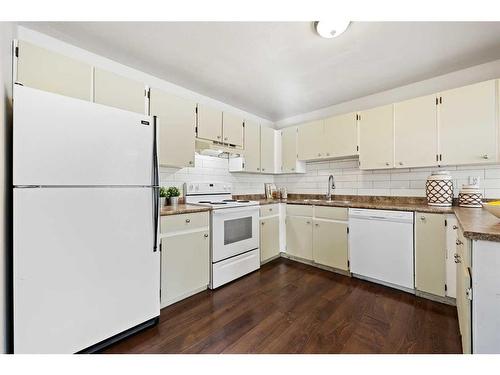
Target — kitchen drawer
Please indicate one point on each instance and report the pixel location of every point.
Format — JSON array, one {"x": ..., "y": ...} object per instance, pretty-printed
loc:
[
  {"x": 176, "y": 223},
  {"x": 269, "y": 210},
  {"x": 299, "y": 210},
  {"x": 333, "y": 213}
]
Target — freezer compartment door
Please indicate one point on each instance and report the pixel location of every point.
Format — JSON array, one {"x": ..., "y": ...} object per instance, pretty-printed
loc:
[
  {"x": 84, "y": 266},
  {"x": 60, "y": 140}
]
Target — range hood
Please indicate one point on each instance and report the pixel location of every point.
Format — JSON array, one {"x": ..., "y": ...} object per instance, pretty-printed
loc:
[{"x": 216, "y": 149}]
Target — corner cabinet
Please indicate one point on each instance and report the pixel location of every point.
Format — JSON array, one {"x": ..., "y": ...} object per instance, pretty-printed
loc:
[
  {"x": 50, "y": 71},
  {"x": 120, "y": 92},
  {"x": 289, "y": 152},
  {"x": 176, "y": 136},
  {"x": 468, "y": 124},
  {"x": 376, "y": 138},
  {"x": 185, "y": 261},
  {"x": 430, "y": 253}
]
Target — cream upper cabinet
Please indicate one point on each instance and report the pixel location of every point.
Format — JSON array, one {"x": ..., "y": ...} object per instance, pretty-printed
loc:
[
  {"x": 415, "y": 132},
  {"x": 330, "y": 244},
  {"x": 269, "y": 238},
  {"x": 49, "y": 71},
  {"x": 252, "y": 146},
  {"x": 232, "y": 129},
  {"x": 119, "y": 92},
  {"x": 176, "y": 136},
  {"x": 289, "y": 155},
  {"x": 430, "y": 253},
  {"x": 467, "y": 124},
  {"x": 209, "y": 123},
  {"x": 341, "y": 136},
  {"x": 267, "y": 149},
  {"x": 311, "y": 140},
  {"x": 299, "y": 239},
  {"x": 376, "y": 138}
]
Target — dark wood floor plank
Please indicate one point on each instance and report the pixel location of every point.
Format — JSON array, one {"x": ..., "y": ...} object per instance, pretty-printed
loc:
[{"x": 289, "y": 307}]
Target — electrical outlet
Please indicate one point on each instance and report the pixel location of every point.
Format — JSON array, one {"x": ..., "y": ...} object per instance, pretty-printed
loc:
[{"x": 474, "y": 180}]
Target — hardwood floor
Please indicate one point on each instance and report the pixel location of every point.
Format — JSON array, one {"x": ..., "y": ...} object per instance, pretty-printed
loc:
[{"x": 289, "y": 307}]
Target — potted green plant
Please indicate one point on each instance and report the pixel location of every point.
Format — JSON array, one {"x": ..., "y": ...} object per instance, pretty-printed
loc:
[
  {"x": 163, "y": 196},
  {"x": 173, "y": 193}
]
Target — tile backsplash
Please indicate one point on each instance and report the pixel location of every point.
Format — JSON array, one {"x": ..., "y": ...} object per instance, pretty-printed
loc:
[
  {"x": 349, "y": 179},
  {"x": 208, "y": 168}
]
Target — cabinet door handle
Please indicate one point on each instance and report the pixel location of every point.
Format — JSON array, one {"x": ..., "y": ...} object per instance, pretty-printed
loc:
[
  {"x": 455, "y": 227},
  {"x": 387, "y": 163},
  {"x": 485, "y": 156},
  {"x": 205, "y": 235},
  {"x": 262, "y": 223},
  {"x": 190, "y": 162},
  {"x": 422, "y": 218},
  {"x": 458, "y": 242},
  {"x": 258, "y": 169},
  {"x": 225, "y": 138},
  {"x": 218, "y": 137},
  {"x": 263, "y": 169},
  {"x": 317, "y": 224},
  {"x": 188, "y": 220},
  {"x": 308, "y": 222},
  {"x": 400, "y": 163}
]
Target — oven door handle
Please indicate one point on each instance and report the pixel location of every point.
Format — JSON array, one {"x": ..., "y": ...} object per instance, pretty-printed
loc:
[{"x": 233, "y": 210}]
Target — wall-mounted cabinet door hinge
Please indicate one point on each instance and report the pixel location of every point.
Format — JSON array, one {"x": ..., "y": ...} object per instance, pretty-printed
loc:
[
  {"x": 357, "y": 148},
  {"x": 468, "y": 293},
  {"x": 440, "y": 100},
  {"x": 348, "y": 264},
  {"x": 445, "y": 222},
  {"x": 445, "y": 287},
  {"x": 347, "y": 229},
  {"x": 16, "y": 51},
  {"x": 147, "y": 93},
  {"x": 437, "y": 101},
  {"x": 196, "y": 109}
]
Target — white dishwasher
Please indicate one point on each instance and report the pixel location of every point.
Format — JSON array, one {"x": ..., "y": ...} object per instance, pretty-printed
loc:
[{"x": 381, "y": 246}]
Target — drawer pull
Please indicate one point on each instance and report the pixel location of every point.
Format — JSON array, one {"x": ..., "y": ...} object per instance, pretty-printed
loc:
[
  {"x": 188, "y": 220},
  {"x": 205, "y": 235}
]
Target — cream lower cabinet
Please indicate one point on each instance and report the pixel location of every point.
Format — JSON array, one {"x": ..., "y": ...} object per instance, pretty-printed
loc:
[
  {"x": 269, "y": 232},
  {"x": 176, "y": 136},
  {"x": 330, "y": 244},
  {"x": 290, "y": 162},
  {"x": 299, "y": 231},
  {"x": 50, "y": 71},
  {"x": 120, "y": 92},
  {"x": 468, "y": 125},
  {"x": 185, "y": 261},
  {"x": 430, "y": 253},
  {"x": 464, "y": 285},
  {"x": 376, "y": 138}
]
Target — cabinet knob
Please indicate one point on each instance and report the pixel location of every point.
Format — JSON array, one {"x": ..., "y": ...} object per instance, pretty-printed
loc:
[
  {"x": 262, "y": 223},
  {"x": 485, "y": 156},
  {"x": 319, "y": 153},
  {"x": 205, "y": 235},
  {"x": 458, "y": 242},
  {"x": 327, "y": 154},
  {"x": 225, "y": 138},
  {"x": 190, "y": 162},
  {"x": 258, "y": 169},
  {"x": 218, "y": 137},
  {"x": 308, "y": 222},
  {"x": 400, "y": 163},
  {"x": 387, "y": 163},
  {"x": 263, "y": 169},
  {"x": 188, "y": 220},
  {"x": 455, "y": 227},
  {"x": 317, "y": 224},
  {"x": 293, "y": 169},
  {"x": 422, "y": 218}
]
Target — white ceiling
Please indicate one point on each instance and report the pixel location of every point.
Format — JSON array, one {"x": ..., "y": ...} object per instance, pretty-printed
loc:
[{"x": 280, "y": 69}]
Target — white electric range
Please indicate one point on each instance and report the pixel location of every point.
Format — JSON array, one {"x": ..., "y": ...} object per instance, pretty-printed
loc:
[{"x": 234, "y": 230}]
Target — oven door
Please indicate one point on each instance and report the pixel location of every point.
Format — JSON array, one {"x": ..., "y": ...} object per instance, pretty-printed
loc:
[{"x": 234, "y": 231}]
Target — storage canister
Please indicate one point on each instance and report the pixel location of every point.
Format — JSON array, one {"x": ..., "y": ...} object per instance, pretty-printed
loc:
[{"x": 439, "y": 189}]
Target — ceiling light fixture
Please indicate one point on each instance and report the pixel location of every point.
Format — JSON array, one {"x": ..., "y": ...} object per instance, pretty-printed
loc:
[{"x": 330, "y": 29}]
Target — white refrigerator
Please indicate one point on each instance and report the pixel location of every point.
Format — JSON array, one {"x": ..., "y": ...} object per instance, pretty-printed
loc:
[{"x": 85, "y": 223}]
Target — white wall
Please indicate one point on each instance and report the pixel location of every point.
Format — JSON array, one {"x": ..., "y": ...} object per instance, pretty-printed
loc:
[
  {"x": 7, "y": 33},
  {"x": 459, "y": 78}
]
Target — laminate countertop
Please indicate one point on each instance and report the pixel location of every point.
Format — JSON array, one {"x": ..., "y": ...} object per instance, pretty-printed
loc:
[
  {"x": 182, "y": 209},
  {"x": 476, "y": 223}
]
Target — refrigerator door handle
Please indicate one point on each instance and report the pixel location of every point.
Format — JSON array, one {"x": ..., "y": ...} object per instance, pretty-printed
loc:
[{"x": 155, "y": 187}]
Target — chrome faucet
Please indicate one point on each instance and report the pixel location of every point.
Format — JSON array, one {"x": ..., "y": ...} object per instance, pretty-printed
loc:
[{"x": 331, "y": 185}]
